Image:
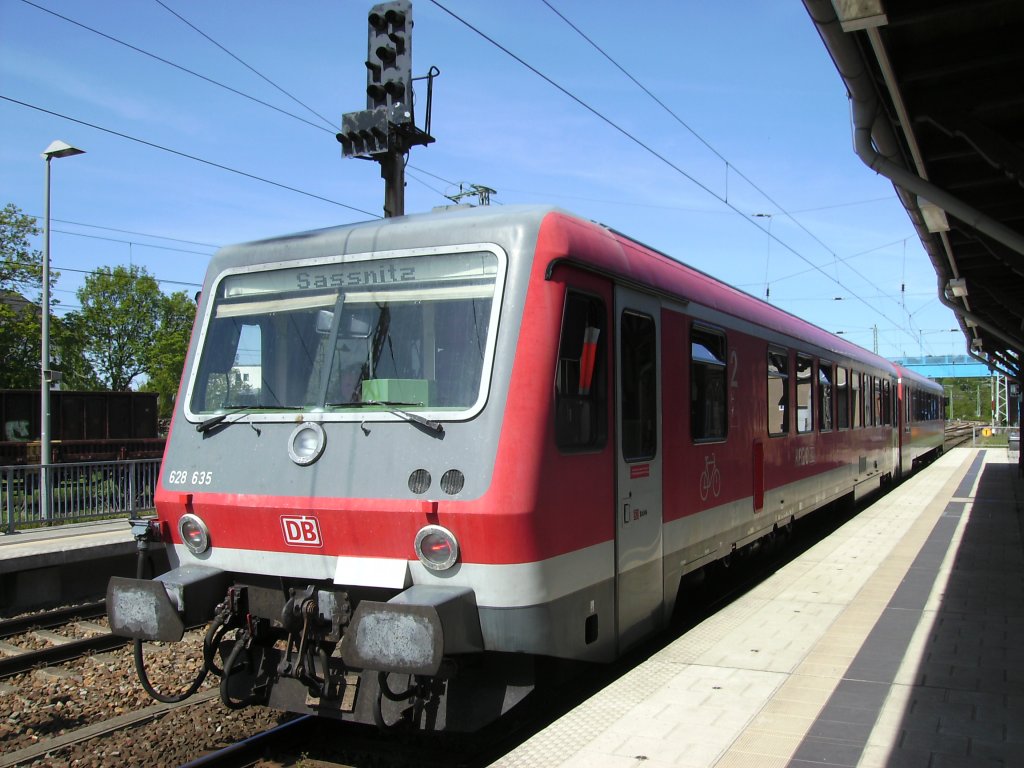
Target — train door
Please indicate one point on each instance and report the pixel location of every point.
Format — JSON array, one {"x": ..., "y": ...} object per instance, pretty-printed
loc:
[
  {"x": 639, "y": 589},
  {"x": 891, "y": 406}
]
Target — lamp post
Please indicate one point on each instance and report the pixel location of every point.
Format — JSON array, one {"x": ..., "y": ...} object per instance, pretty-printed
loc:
[{"x": 56, "y": 149}]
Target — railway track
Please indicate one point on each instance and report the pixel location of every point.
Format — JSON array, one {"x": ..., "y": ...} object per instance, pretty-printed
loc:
[
  {"x": 60, "y": 647},
  {"x": 957, "y": 434}
]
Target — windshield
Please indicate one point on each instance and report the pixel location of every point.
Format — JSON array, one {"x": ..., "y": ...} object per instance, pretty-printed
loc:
[{"x": 415, "y": 331}]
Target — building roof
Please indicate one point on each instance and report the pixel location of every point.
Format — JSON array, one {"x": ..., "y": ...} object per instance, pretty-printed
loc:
[{"x": 938, "y": 108}]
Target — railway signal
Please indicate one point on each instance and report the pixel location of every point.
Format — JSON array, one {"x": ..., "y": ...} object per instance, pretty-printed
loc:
[{"x": 386, "y": 129}]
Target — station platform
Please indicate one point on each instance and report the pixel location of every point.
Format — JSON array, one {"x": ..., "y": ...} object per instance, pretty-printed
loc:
[
  {"x": 61, "y": 544},
  {"x": 62, "y": 563},
  {"x": 897, "y": 642}
]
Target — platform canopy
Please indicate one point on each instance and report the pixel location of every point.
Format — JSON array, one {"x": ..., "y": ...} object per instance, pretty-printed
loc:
[{"x": 937, "y": 95}]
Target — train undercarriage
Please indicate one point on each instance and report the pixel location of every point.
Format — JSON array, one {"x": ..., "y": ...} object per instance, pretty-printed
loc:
[{"x": 412, "y": 660}]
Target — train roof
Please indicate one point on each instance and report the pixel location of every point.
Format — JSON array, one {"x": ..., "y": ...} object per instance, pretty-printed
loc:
[
  {"x": 923, "y": 381},
  {"x": 565, "y": 231}
]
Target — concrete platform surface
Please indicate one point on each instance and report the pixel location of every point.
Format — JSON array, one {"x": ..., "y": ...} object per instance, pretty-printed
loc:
[
  {"x": 897, "y": 642},
  {"x": 62, "y": 544}
]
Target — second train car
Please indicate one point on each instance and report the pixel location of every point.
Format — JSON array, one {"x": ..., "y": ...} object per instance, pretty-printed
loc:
[{"x": 412, "y": 457}]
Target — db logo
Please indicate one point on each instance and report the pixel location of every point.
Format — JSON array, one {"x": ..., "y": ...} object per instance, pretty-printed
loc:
[{"x": 302, "y": 531}]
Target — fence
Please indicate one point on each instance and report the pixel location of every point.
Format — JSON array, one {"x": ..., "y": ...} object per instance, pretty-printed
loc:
[
  {"x": 987, "y": 436},
  {"x": 78, "y": 492}
]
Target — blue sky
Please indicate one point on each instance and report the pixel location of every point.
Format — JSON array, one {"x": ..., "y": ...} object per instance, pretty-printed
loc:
[{"x": 763, "y": 128}]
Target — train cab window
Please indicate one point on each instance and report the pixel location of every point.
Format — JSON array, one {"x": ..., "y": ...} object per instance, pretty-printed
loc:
[
  {"x": 239, "y": 380},
  {"x": 639, "y": 397},
  {"x": 842, "y": 399},
  {"x": 804, "y": 397},
  {"x": 581, "y": 386},
  {"x": 708, "y": 410},
  {"x": 351, "y": 339},
  {"x": 778, "y": 392},
  {"x": 824, "y": 396},
  {"x": 856, "y": 403}
]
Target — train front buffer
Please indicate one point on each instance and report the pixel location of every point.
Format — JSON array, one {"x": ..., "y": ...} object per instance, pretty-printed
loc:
[{"x": 415, "y": 660}]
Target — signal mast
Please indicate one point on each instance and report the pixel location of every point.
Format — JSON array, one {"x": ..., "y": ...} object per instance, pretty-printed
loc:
[{"x": 386, "y": 129}]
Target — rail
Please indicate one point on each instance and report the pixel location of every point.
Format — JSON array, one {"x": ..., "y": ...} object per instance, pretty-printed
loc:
[{"x": 79, "y": 491}]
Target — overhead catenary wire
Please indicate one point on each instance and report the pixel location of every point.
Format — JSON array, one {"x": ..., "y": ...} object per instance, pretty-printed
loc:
[
  {"x": 782, "y": 210},
  {"x": 813, "y": 266},
  {"x": 650, "y": 150},
  {"x": 245, "y": 64},
  {"x": 186, "y": 155},
  {"x": 169, "y": 63},
  {"x": 130, "y": 232}
]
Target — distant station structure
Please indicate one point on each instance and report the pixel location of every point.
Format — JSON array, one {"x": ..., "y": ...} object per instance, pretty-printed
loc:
[
  {"x": 945, "y": 366},
  {"x": 1005, "y": 394}
]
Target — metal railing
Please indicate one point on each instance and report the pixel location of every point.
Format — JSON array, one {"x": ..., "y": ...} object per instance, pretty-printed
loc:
[
  {"x": 989, "y": 436},
  {"x": 79, "y": 491}
]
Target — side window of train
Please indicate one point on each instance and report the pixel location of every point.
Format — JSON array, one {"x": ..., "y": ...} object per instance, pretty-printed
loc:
[
  {"x": 870, "y": 411},
  {"x": 708, "y": 390},
  {"x": 879, "y": 400},
  {"x": 778, "y": 392},
  {"x": 639, "y": 377},
  {"x": 842, "y": 399},
  {"x": 581, "y": 386},
  {"x": 825, "y": 396},
  {"x": 855, "y": 400},
  {"x": 804, "y": 397}
]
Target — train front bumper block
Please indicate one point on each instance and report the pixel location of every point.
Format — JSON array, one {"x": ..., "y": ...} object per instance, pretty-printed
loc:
[
  {"x": 414, "y": 631},
  {"x": 161, "y": 608}
]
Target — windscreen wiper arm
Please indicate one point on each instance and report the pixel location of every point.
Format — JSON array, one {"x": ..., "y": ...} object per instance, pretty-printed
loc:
[
  {"x": 213, "y": 421},
  {"x": 392, "y": 406}
]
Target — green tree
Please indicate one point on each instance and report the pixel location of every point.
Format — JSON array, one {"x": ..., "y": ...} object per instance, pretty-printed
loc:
[
  {"x": 68, "y": 345},
  {"x": 119, "y": 320},
  {"x": 20, "y": 342},
  {"x": 166, "y": 357},
  {"x": 21, "y": 267},
  {"x": 20, "y": 273}
]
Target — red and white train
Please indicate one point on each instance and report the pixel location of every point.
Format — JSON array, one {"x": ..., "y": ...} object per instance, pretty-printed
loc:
[{"x": 411, "y": 457}]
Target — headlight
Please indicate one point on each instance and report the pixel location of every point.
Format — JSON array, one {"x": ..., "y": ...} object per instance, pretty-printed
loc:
[
  {"x": 194, "y": 533},
  {"x": 306, "y": 443},
  {"x": 436, "y": 547}
]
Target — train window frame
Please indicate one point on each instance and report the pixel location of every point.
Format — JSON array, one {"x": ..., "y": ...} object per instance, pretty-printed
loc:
[
  {"x": 804, "y": 378},
  {"x": 775, "y": 372},
  {"x": 887, "y": 414},
  {"x": 709, "y": 355},
  {"x": 876, "y": 401},
  {"x": 842, "y": 398},
  {"x": 640, "y": 444},
  {"x": 856, "y": 400},
  {"x": 826, "y": 396},
  {"x": 240, "y": 290},
  {"x": 581, "y": 418}
]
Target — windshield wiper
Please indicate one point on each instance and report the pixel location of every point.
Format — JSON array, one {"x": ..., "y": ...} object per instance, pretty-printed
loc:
[
  {"x": 213, "y": 421},
  {"x": 392, "y": 407}
]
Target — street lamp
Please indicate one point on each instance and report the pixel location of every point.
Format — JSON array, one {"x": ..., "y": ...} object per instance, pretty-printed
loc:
[{"x": 56, "y": 149}]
